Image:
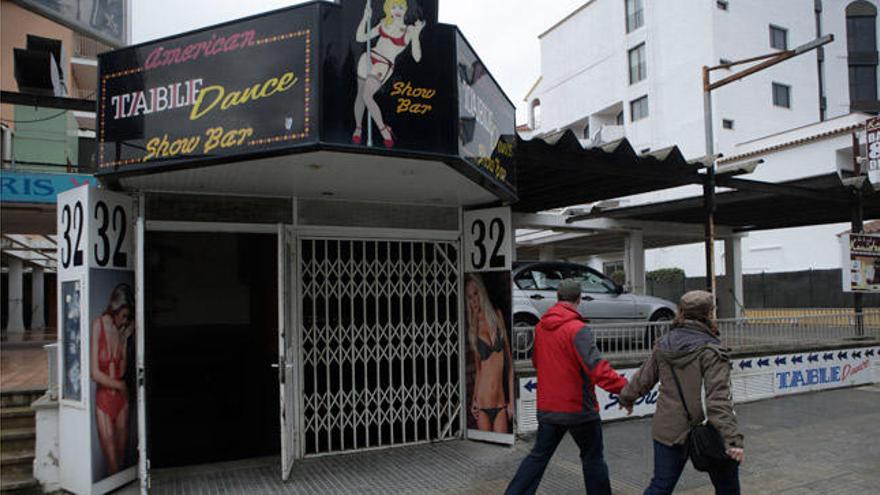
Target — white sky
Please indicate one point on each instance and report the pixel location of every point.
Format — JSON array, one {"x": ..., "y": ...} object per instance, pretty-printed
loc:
[{"x": 504, "y": 33}]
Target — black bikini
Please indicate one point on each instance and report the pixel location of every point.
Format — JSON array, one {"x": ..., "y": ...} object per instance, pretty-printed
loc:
[{"x": 486, "y": 350}]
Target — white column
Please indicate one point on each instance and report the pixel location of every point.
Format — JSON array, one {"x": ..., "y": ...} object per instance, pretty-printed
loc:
[
  {"x": 634, "y": 261},
  {"x": 546, "y": 252},
  {"x": 15, "y": 296},
  {"x": 732, "y": 297},
  {"x": 38, "y": 304}
]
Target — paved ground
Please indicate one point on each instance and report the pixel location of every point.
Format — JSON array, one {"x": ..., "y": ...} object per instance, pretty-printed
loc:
[
  {"x": 23, "y": 368},
  {"x": 823, "y": 443}
]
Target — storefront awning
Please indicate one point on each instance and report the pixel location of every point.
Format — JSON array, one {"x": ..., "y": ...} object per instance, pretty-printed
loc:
[
  {"x": 753, "y": 210},
  {"x": 563, "y": 172}
]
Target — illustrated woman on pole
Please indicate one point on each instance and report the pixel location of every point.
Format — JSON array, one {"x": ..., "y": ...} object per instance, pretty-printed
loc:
[
  {"x": 491, "y": 404},
  {"x": 109, "y": 357},
  {"x": 385, "y": 41}
]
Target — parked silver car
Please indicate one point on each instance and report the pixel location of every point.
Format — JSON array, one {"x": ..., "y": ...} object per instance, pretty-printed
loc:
[{"x": 602, "y": 301}]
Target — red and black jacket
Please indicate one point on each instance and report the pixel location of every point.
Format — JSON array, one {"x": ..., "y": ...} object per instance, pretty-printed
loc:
[{"x": 569, "y": 367}]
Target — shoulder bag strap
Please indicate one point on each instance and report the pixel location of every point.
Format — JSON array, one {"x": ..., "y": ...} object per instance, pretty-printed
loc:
[{"x": 680, "y": 394}]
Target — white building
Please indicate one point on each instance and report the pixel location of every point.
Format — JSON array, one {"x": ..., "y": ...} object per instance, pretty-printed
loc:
[{"x": 632, "y": 68}]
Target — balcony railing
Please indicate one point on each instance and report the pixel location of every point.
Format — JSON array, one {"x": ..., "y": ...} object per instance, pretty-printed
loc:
[{"x": 85, "y": 47}]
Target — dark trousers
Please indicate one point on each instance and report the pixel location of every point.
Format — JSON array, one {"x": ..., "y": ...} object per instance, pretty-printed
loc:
[
  {"x": 669, "y": 463},
  {"x": 587, "y": 436}
]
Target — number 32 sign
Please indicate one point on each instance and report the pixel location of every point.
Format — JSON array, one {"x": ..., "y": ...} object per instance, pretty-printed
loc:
[
  {"x": 488, "y": 240},
  {"x": 94, "y": 229}
]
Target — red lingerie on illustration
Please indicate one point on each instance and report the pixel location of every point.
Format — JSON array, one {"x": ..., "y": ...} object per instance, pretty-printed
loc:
[{"x": 109, "y": 400}]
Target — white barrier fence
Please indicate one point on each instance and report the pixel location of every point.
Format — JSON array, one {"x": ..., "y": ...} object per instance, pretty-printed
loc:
[{"x": 753, "y": 378}]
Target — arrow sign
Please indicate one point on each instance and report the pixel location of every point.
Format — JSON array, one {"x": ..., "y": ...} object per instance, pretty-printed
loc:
[
  {"x": 857, "y": 355},
  {"x": 869, "y": 353},
  {"x": 841, "y": 355},
  {"x": 745, "y": 364},
  {"x": 828, "y": 356},
  {"x": 797, "y": 359},
  {"x": 780, "y": 360},
  {"x": 763, "y": 362},
  {"x": 530, "y": 386},
  {"x": 813, "y": 358}
]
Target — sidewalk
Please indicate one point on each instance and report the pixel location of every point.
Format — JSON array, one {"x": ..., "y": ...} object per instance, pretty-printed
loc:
[{"x": 822, "y": 443}]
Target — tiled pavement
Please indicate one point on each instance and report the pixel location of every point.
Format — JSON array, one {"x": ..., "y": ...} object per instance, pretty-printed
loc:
[
  {"x": 23, "y": 368},
  {"x": 822, "y": 443}
]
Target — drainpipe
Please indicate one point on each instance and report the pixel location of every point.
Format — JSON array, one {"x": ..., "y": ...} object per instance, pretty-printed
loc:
[{"x": 6, "y": 147}]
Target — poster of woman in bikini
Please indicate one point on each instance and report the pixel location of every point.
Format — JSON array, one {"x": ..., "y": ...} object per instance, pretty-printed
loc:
[{"x": 384, "y": 42}]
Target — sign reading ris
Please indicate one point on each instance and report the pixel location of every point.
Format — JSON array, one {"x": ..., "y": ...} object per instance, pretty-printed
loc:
[{"x": 238, "y": 88}]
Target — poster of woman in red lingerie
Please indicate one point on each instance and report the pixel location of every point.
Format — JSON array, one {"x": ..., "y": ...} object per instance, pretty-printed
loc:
[
  {"x": 384, "y": 42},
  {"x": 111, "y": 354}
]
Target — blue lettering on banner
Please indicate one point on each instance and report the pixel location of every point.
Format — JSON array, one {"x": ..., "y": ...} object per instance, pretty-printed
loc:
[
  {"x": 35, "y": 187},
  {"x": 811, "y": 376}
]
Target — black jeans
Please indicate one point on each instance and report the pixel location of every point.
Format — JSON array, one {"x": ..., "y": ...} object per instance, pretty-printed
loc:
[
  {"x": 587, "y": 436},
  {"x": 670, "y": 461}
]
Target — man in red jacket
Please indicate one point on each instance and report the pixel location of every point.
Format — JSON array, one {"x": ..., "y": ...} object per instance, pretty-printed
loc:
[{"x": 569, "y": 367}]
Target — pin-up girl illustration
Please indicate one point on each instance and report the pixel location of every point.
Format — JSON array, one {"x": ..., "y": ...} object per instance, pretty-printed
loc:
[{"x": 375, "y": 66}]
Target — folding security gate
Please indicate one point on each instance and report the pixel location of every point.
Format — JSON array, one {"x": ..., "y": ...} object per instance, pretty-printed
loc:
[{"x": 379, "y": 322}]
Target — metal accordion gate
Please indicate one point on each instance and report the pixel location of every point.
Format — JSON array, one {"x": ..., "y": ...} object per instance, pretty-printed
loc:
[{"x": 379, "y": 322}]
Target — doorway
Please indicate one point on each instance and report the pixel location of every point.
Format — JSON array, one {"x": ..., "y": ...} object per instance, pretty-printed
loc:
[{"x": 211, "y": 341}]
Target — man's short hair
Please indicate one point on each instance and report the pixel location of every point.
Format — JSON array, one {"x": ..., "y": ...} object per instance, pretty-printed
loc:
[{"x": 569, "y": 290}]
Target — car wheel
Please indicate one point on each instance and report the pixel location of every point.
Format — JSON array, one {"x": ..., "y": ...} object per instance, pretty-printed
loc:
[{"x": 653, "y": 332}]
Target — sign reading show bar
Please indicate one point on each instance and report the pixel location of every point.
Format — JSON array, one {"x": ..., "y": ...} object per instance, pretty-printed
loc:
[
  {"x": 381, "y": 76},
  {"x": 238, "y": 88}
]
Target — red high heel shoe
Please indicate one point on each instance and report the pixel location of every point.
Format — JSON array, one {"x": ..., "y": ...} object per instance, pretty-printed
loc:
[
  {"x": 356, "y": 137},
  {"x": 389, "y": 141}
]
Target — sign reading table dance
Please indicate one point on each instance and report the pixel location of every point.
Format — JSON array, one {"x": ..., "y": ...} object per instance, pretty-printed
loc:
[{"x": 239, "y": 88}]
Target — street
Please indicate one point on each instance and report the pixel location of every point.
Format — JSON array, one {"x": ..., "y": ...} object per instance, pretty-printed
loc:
[{"x": 820, "y": 443}]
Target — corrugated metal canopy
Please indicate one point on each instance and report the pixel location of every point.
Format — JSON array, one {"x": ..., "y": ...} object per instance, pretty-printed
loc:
[
  {"x": 561, "y": 172},
  {"x": 750, "y": 210}
]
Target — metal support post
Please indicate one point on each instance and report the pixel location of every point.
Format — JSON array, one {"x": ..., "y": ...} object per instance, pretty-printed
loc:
[
  {"x": 857, "y": 228},
  {"x": 709, "y": 184}
]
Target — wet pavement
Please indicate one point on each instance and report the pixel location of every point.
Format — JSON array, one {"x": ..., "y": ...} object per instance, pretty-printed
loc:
[{"x": 819, "y": 443}]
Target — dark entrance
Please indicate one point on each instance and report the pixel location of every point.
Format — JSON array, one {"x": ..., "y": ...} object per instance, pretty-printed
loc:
[{"x": 211, "y": 339}]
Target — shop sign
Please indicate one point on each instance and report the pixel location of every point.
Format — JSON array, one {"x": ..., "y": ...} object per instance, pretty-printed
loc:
[
  {"x": 106, "y": 20},
  {"x": 486, "y": 119},
  {"x": 381, "y": 76},
  {"x": 34, "y": 187},
  {"x": 861, "y": 262},
  {"x": 238, "y": 88},
  {"x": 872, "y": 136}
]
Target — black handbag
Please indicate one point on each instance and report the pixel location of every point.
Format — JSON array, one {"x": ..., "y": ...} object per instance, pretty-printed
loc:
[{"x": 704, "y": 444}]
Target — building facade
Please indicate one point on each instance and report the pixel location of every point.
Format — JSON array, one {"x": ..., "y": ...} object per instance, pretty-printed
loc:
[{"x": 632, "y": 68}]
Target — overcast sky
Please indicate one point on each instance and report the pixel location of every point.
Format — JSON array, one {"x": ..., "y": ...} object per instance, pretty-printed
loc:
[{"x": 503, "y": 32}]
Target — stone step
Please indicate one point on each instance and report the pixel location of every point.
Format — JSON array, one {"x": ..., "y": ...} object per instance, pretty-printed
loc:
[
  {"x": 17, "y": 417},
  {"x": 19, "y": 484},
  {"x": 19, "y": 398},
  {"x": 18, "y": 439},
  {"x": 16, "y": 462}
]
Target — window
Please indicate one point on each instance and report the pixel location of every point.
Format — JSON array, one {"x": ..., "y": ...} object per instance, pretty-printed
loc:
[
  {"x": 591, "y": 281},
  {"x": 638, "y": 67},
  {"x": 781, "y": 95},
  {"x": 638, "y": 109},
  {"x": 862, "y": 83},
  {"x": 635, "y": 15},
  {"x": 861, "y": 46},
  {"x": 619, "y": 118},
  {"x": 727, "y": 123},
  {"x": 524, "y": 280},
  {"x": 547, "y": 277},
  {"x": 721, "y": 4},
  {"x": 609, "y": 267},
  {"x": 778, "y": 38}
]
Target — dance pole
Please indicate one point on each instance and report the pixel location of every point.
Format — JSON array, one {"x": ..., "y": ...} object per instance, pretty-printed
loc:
[{"x": 369, "y": 71}]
